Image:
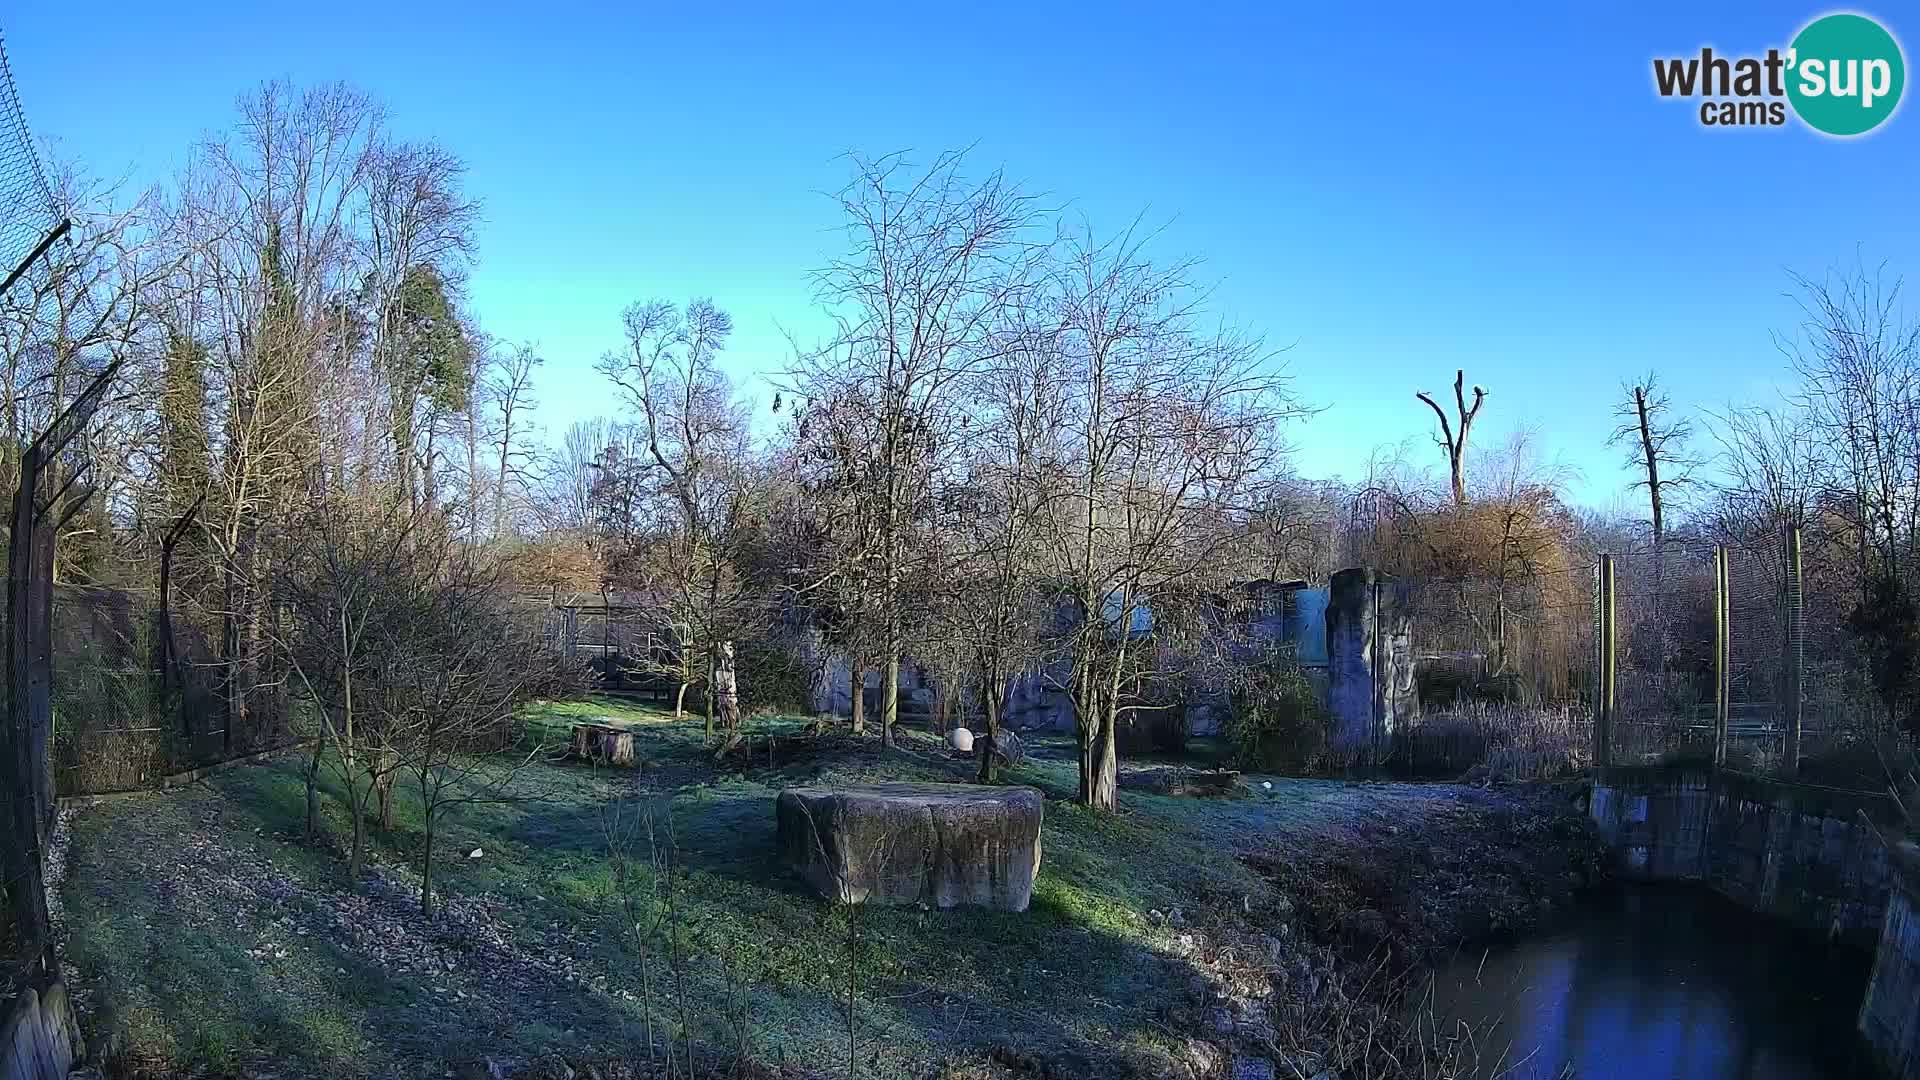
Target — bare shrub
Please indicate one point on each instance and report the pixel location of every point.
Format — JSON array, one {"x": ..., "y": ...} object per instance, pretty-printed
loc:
[
  {"x": 1279, "y": 723},
  {"x": 1510, "y": 742}
]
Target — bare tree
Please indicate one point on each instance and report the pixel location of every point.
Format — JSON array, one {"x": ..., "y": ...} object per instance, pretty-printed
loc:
[
  {"x": 451, "y": 696},
  {"x": 1658, "y": 452},
  {"x": 834, "y": 535},
  {"x": 263, "y": 224},
  {"x": 339, "y": 565},
  {"x": 694, "y": 435},
  {"x": 1166, "y": 435},
  {"x": 934, "y": 259},
  {"x": 1657, "y": 447},
  {"x": 508, "y": 387},
  {"x": 419, "y": 233},
  {"x": 988, "y": 575},
  {"x": 1773, "y": 464},
  {"x": 1454, "y": 445},
  {"x": 1859, "y": 366}
]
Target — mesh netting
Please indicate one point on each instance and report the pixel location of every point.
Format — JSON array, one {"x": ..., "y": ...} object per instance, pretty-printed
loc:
[
  {"x": 1664, "y": 622},
  {"x": 28, "y": 210},
  {"x": 48, "y": 297}
]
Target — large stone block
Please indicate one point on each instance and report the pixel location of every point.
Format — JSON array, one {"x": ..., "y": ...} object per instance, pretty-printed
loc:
[
  {"x": 39, "y": 1036},
  {"x": 937, "y": 844}
]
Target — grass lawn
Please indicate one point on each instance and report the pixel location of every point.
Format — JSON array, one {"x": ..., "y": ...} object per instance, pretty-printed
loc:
[{"x": 204, "y": 935}]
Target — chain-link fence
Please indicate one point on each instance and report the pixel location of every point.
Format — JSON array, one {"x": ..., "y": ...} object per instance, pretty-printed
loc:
[{"x": 123, "y": 718}]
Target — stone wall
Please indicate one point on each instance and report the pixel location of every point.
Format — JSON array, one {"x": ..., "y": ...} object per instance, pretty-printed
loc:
[
  {"x": 1812, "y": 856},
  {"x": 38, "y": 1035},
  {"x": 1890, "y": 1015},
  {"x": 1794, "y": 851}
]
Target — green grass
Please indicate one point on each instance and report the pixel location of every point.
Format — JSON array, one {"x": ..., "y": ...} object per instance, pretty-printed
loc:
[{"x": 178, "y": 982}]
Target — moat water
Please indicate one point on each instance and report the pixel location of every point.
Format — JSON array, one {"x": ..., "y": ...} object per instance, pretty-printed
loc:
[{"x": 1646, "y": 983}]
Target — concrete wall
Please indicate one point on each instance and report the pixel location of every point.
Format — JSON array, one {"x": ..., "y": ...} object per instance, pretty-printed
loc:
[
  {"x": 38, "y": 1036},
  {"x": 1890, "y": 1015},
  {"x": 1370, "y": 691},
  {"x": 1793, "y": 851}
]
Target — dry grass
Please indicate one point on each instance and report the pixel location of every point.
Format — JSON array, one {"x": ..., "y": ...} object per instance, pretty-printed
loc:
[{"x": 1494, "y": 741}]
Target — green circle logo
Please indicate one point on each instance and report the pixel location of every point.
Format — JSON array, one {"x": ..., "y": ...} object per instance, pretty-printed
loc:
[{"x": 1845, "y": 74}]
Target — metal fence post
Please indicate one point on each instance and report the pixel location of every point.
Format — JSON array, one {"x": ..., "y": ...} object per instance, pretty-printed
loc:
[
  {"x": 1795, "y": 659},
  {"x": 1722, "y": 634},
  {"x": 1606, "y": 642}
]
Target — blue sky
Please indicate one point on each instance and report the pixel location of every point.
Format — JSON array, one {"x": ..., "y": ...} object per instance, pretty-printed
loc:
[{"x": 1393, "y": 193}]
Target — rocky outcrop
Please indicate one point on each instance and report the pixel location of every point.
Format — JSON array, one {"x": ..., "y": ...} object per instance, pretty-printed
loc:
[{"x": 942, "y": 845}]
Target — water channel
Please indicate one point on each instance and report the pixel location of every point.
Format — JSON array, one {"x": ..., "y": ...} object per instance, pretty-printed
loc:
[{"x": 1650, "y": 982}]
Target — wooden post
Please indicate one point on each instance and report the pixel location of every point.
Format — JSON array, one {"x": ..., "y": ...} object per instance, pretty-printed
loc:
[
  {"x": 1607, "y": 642},
  {"x": 1791, "y": 713},
  {"x": 1721, "y": 635}
]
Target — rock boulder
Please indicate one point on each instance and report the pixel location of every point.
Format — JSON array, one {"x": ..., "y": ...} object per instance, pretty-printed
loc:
[
  {"x": 942, "y": 845},
  {"x": 1008, "y": 749}
]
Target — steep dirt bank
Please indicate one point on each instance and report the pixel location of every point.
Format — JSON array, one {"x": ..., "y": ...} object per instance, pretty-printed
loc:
[{"x": 1327, "y": 976}]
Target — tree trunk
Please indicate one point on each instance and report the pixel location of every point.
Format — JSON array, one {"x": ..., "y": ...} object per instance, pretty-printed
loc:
[
  {"x": 1106, "y": 777},
  {"x": 680, "y": 699},
  {"x": 1100, "y": 757},
  {"x": 1657, "y": 504},
  {"x": 1086, "y": 725},
  {"x": 383, "y": 788},
  {"x": 426, "y": 855},
  {"x": 166, "y": 649},
  {"x": 403, "y": 446},
  {"x": 233, "y": 693},
  {"x": 356, "y": 856},
  {"x": 1089, "y": 761},
  {"x": 713, "y": 666},
  {"x": 313, "y": 787},
  {"x": 473, "y": 472},
  {"x": 990, "y": 698},
  {"x": 857, "y": 710},
  {"x": 890, "y": 696},
  {"x": 726, "y": 686},
  {"x": 429, "y": 468}
]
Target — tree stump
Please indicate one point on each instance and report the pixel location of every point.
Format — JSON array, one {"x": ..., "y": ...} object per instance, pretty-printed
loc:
[
  {"x": 942, "y": 845},
  {"x": 602, "y": 744}
]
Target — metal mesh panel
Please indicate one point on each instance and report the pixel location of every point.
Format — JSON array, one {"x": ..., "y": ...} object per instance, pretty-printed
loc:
[
  {"x": 1671, "y": 617},
  {"x": 28, "y": 210},
  {"x": 29, "y": 216},
  {"x": 1756, "y": 645},
  {"x": 1664, "y": 648},
  {"x": 41, "y": 299}
]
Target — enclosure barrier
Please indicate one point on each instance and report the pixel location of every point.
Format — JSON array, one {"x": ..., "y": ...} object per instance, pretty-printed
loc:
[{"x": 1702, "y": 653}]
